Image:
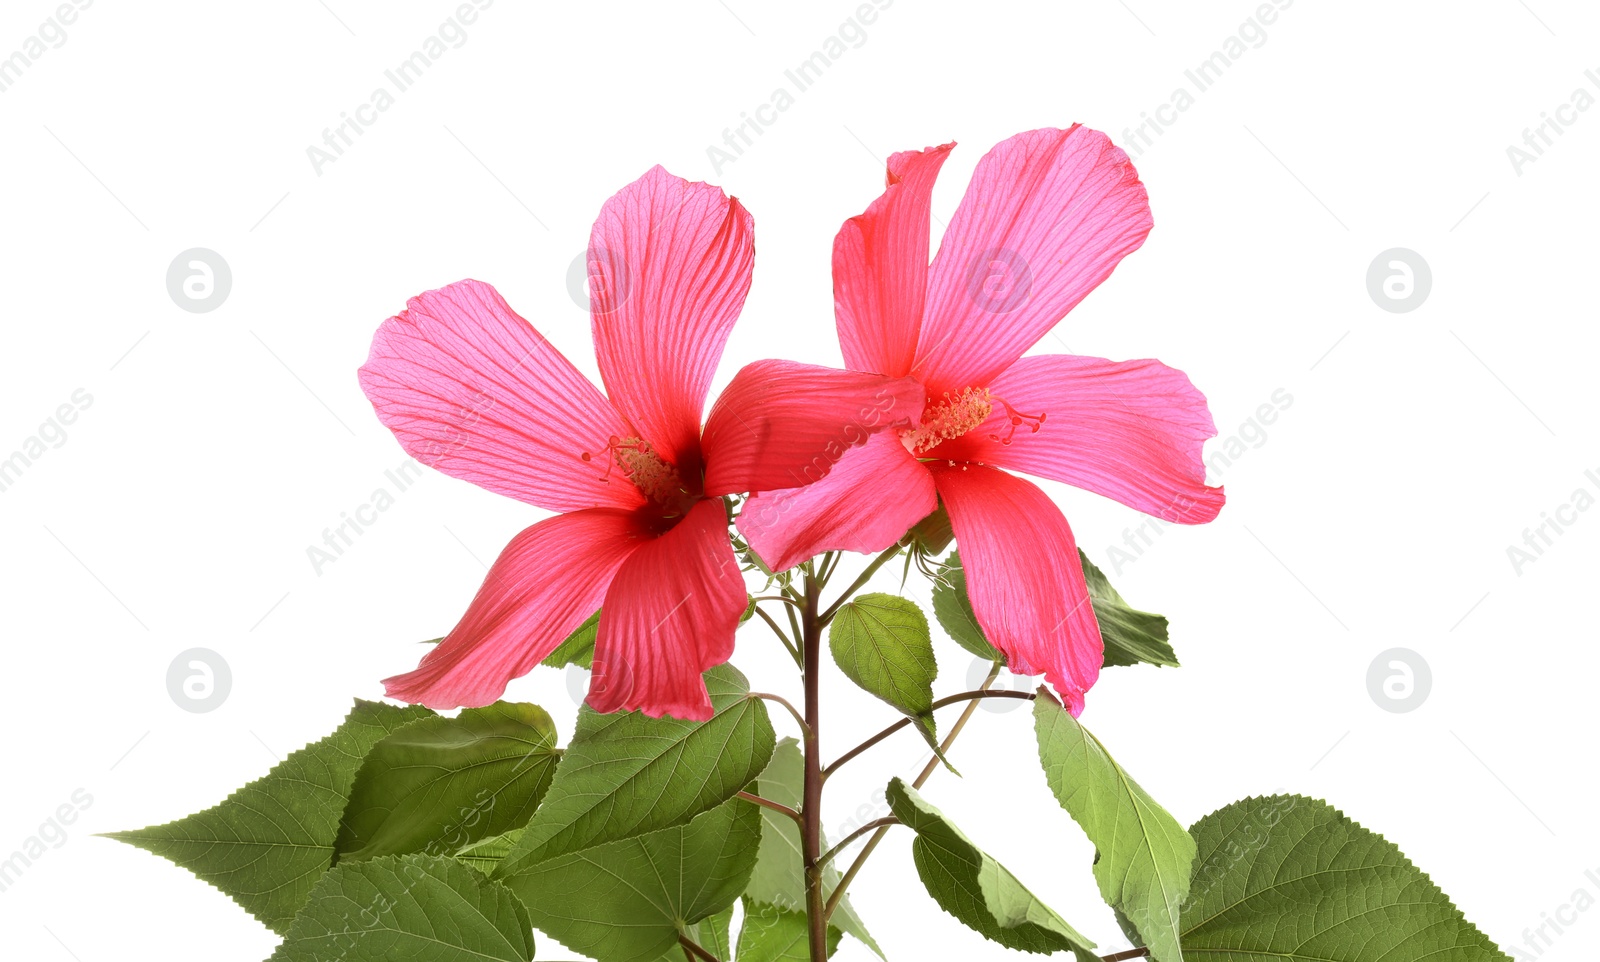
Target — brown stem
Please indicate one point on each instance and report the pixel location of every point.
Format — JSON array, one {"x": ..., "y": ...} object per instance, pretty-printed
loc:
[
  {"x": 866, "y": 576},
  {"x": 780, "y": 700},
  {"x": 922, "y": 779},
  {"x": 794, "y": 632},
  {"x": 830, "y": 564},
  {"x": 769, "y": 803},
  {"x": 811, "y": 807},
  {"x": 870, "y": 826},
  {"x": 696, "y": 951},
  {"x": 780, "y": 598},
  {"x": 787, "y": 644},
  {"x": 902, "y": 723},
  {"x": 1123, "y": 956}
]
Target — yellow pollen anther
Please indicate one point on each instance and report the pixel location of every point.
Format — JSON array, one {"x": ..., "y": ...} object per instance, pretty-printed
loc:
[
  {"x": 956, "y": 413},
  {"x": 648, "y": 471},
  {"x": 947, "y": 418}
]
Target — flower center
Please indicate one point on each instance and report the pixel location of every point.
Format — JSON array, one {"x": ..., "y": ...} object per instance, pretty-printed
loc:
[
  {"x": 648, "y": 471},
  {"x": 949, "y": 417}
]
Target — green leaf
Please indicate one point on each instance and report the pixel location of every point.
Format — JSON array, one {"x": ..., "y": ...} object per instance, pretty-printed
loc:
[
  {"x": 1131, "y": 636},
  {"x": 881, "y": 643},
  {"x": 1144, "y": 856},
  {"x": 486, "y": 854},
  {"x": 440, "y": 783},
  {"x": 928, "y": 727},
  {"x": 1292, "y": 879},
  {"x": 408, "y": 907},
  {"x": 954, "y": 610},
  {"x": 713, "y": 934},
  {"x": 932, "y": 534},
  {"x": 975, "y": 888},
  {"x": 627, "y": 774},
  {"x": 266, "y": 844},
  {"x": 771, "y": 934},
  {"x": 779, "y": 877},
  {"x": 578, "y": 648},
  {"x": 624, "y": 901}
]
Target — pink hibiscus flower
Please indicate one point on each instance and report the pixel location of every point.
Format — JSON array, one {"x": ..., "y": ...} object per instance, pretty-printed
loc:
[
  {"x": 1048, "y": 215},
  {"x": 470, "y": 388}
]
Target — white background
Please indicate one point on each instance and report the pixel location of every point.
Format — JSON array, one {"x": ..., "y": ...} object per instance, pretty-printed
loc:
[{"x": 1377, "y": 512}]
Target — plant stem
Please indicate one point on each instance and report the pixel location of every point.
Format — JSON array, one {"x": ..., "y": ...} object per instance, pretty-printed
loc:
[
  {"x": 1123, "y": 956},
  {"x": 780, "y": 700},
  {"x": 696, "y": 951},
  {"x": 927, "y": 772},
  {"x": 808, "y": 623},
  {"x": 779, "y": 598},
  {"x": 866, "y": 575},
  {"x": 811, "y": 808},
  {"x": 787, "y": 644},
  {"x": 905, "y": 722},
  {"x": 778, "y": 807},
  {"x": 794, "y": 629},
  {"x": 870, "y": 826},
  {"x": 830, "y": 564}
]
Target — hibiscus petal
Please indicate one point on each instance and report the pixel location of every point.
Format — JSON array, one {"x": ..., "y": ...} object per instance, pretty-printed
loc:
[
  {"x": 869, "y": 501},
  {"x": 880, "y": 267},
  {"x": 1024, "y": 577},
  {"x": 669, "y": 615},
  {"x": 1048, "y": 215},
  {"x": 669, "y": 266},
  {"x": 779, "y": 424},
  {"x": 471, "y": 389},
  {"x": 546, "y": 582},
  {"x": 1130, "y": 430}
]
